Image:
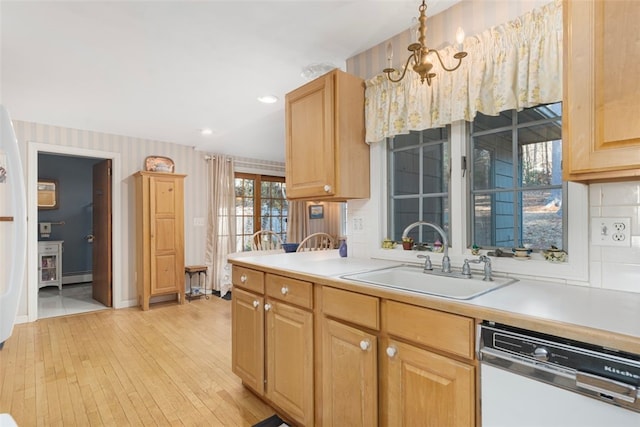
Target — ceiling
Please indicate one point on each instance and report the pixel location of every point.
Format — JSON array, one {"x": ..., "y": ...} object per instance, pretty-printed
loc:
[{"x": 164, "y": 70}]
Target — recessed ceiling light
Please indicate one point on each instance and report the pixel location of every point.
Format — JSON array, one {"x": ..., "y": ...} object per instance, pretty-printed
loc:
[
  {"x": 268, "y": 99},
  {"x": 206, "y": 132}
]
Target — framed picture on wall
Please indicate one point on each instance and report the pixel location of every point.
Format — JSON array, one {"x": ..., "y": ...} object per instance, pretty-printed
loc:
[{"x": 316, "y": 212}]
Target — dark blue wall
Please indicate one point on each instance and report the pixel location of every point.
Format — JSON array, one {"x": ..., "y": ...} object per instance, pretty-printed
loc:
[{"x": 75, "y": 185}]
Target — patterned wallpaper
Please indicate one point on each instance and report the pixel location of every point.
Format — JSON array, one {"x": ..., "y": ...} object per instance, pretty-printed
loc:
[
  {"x": 133, "y": 152},
  {"x": 474, "y": 16}
]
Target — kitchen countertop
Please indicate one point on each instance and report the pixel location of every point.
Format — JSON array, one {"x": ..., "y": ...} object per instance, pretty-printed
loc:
[{"x": 606, "y": 317}]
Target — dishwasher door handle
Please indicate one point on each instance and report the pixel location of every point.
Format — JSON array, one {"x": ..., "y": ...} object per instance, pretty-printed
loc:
[{"x": 606, "y": 386}]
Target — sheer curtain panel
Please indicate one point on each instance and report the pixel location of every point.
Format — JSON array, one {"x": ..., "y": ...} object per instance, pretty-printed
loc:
[{"x": 221, "y": 226}]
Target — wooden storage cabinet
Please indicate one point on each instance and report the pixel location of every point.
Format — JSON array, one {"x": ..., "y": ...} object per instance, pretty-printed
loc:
[
  {"x": 422, "y": 385},
  {"x": 159, "y": 235},
  {"x": 247, "y": 351},
  {"x": 326, "y": 154},
  {"x": 415, "y": 383},
  {"x": 272, "y": 335},
  {"x": 601, "y": 130},
  {"x": 350, "y": 375}
]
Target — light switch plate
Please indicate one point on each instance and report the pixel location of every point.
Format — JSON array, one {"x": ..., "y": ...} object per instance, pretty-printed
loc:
[{"x": 609, "y": 231}]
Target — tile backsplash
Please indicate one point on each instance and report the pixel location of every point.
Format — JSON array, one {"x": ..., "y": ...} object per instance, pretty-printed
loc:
[{"x": 616, "y": 267}]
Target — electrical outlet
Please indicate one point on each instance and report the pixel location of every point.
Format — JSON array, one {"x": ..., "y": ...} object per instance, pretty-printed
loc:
[
  {"x": 357, "y": 224},
  {"x": 198, "y": 222},
  {"x": 611, "y": 231}
]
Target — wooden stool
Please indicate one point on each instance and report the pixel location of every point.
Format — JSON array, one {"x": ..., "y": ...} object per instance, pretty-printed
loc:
[{"x": 196, "y": 269}]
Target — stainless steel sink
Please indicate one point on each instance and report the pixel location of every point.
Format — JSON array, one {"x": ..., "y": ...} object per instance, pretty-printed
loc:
[{"x": 408, "y": 278}]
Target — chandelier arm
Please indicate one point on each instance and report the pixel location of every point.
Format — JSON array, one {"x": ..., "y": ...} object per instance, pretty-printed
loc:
[
  {"x": 442, "y": 63},
  {"x": 404, "y": 70}
]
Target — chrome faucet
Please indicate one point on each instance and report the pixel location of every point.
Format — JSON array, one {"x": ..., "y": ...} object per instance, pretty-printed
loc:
[
  {"x": 446, "y": 262},
  {"x": 466, "y": 270}
]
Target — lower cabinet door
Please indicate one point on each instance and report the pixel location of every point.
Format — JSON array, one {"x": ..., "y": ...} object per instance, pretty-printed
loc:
[
  {"x": 426, "y": 389},
  {"x": 289, "y": 336},
  {"x": 349, "y": 376},
  {"x": 247, "y": 352}
]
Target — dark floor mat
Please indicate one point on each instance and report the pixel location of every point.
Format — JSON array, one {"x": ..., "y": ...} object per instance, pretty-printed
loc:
[{"x": 272, "y": 421}]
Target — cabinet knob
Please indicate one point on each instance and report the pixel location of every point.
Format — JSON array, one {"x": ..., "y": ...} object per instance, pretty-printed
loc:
[
  {"x": 256, "y": 304},
  {"x": 243, "y": 278},
  {"x": 284, "y": 290},
  {"x": 365, "y": 345},
  {"x": 267, "y": 307},
  {"x": 327, "y": 188},
  {"x": 392, "y": 351}
]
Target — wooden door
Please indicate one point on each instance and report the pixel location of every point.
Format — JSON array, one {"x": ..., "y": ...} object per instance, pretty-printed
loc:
[
  {"x": 601, "y": 132},
  {"x": 349, "y": 376},
  {"x": 289, "y": 337},
  {"x": 102, "y": 255},
  {"x": 426, "y": 389},
  {"x": 247, "y": 330}
]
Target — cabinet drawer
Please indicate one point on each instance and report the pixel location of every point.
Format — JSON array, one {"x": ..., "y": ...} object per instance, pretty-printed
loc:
[
  {"x": 248, "y": 279},
  {"x": 352, "y": 307},
  {"x": 48, "y": 249},
  {"x": 432, "y": 328},
  {"x": 293, "y": 291}
]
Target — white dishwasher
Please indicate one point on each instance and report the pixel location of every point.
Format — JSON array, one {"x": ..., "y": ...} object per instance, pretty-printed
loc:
[{"x": 529, "y": 379}]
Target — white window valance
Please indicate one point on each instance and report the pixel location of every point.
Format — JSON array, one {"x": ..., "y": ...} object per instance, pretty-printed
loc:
[{"x": 515, "y": 65}]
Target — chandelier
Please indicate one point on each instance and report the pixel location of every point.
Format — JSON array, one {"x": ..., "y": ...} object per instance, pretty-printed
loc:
[{"x": 419, "y": 58}]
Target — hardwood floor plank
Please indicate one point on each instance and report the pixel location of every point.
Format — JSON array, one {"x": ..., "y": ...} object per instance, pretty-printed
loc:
[{"x": 170, "y": 365}]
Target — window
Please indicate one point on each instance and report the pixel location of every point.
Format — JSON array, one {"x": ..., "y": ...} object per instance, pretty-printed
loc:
[
  {"x": 419, "y": 183},
  {"x": 260, "y": 205},
  {"x": 516, "y": 187}
]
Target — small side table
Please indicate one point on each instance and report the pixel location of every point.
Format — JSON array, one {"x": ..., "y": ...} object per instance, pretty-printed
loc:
[{"x": 198, "y": 292}]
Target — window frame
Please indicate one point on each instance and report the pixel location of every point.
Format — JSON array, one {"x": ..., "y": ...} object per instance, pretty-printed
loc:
[
  {"x": 516, "y": 187},
  {"x": 420, "y": 195},
  {"x": 257, "y": 200},
  {"x": 374, "y": 212}
]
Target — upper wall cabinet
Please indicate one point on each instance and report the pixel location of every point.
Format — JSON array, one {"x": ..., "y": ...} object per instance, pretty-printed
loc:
[
  {"x": 601, "y": 121},
  {"x": 326, "y": 156}
]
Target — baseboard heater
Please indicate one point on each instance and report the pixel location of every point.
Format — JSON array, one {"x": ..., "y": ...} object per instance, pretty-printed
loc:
[{"x": 77, "y": 277}]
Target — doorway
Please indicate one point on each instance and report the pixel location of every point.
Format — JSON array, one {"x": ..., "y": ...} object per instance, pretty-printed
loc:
[
  {"x": 76, "y": 222},
  {"x": 74, "y": 291}
]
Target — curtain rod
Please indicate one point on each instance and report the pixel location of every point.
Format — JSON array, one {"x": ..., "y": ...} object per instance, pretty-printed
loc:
[{"x": 207, "y": 158}]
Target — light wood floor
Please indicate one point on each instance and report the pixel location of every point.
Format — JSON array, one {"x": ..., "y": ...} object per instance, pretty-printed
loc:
[{"x": 170, "y": 365}]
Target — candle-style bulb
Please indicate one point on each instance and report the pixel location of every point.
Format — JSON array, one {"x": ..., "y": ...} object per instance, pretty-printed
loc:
[
  {"x": 460, "y": 35},
  {"x": 389, "y": 54}
]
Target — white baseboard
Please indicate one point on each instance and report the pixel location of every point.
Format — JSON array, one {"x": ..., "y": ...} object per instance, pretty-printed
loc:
[{"x": 77, "y": 278}]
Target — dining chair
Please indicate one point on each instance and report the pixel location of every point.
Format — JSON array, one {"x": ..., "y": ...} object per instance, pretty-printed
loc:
[
  {"x": 317, "y": 242},
  {"x": 265, "y": 240}
]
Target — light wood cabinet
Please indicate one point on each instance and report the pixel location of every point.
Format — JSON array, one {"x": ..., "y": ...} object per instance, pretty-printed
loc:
[
  {"x": 421, "y": 380},
  {"x": 247, "y": 351},
  {"x": 159, "y": 235},
  {"x": 350, "y": 326},
  {"x": 423, "y": 383},
  {"x": 326, "y": 156},
  {"x": 378, "y": 361},
  {"x": 349, "y": 376},
  {"x": 601, "y": 130},
  {"x": 289, "y": 360},
  {"x": 423, "y": 388},
  {"x": 272, "y": 340}
]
